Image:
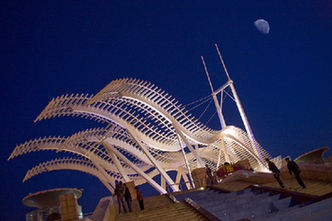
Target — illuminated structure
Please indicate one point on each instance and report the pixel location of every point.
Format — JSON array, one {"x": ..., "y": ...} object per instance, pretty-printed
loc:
[{"x": 148, "y": 133}]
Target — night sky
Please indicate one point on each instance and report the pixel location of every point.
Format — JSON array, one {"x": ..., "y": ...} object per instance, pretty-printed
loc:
[{"x": 50, "y": 48}]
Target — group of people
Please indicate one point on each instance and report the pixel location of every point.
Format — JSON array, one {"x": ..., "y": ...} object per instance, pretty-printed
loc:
[
  {"x": 292, "y": 168},
  {"x": 214, "y": 177},
  {"x": 226, "y": 169},
  {"x": 123, "y": 194}
]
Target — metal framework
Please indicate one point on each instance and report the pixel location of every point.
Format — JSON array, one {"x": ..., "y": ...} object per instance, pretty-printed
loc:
[{"x": 148, "y": 133}]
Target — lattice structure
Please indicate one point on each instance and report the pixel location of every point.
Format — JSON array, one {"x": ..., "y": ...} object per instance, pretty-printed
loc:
[{"x": 148, "y": 130}]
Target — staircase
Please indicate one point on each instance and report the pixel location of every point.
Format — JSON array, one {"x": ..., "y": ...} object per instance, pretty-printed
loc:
[
  {"x": 257, "y": 205},
  {"x": 319, "y": 211},
  {"x": 174, "y": 211},
  {"x": 160, "y": 208}
]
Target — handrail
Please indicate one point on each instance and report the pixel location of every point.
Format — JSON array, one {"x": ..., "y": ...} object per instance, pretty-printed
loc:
[
  {"x": 172, "y": 198},
  {"x": 218, "y": 189},
  {"x": 206, "y": 214},
  {"x": 325, "y": 196}
]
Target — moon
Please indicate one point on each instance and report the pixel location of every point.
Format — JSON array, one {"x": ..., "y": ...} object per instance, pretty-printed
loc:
[{"x": 262, "y": 26}]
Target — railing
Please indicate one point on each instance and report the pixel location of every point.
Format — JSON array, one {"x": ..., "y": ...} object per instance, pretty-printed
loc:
[
  {"x": 206, "y": 214},
  {"x": 218, "y": 189},
  {"x": 172, "y": 198}
]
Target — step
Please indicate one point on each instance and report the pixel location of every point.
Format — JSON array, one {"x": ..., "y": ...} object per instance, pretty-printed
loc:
[
  {"x": 314, "y": 211},
  {"x": 255, "y": 207},
  {"x": 225, "y": 203},
  {"x": 175, "y": 211}
]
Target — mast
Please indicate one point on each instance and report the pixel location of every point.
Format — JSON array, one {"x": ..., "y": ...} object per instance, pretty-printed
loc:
[
  {"x": 221, "y": 117},
  {"x": 240, "y": 108}
]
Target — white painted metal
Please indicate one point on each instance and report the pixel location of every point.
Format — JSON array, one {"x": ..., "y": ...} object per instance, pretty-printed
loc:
[
  {"x": 137, "y": 169},
  {"x": 186, "y": 161},
  {"x": 155, "y": 163},
  {"x": 146, "y": 124},
  {"x": 119, "y": 167},
  {"x": 219, "y": 112},
  {"x": 241, "y": 111}
]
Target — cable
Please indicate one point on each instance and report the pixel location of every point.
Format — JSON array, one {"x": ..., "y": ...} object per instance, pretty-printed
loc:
[
  {"x": 205, "y": 109},
  {"x": 197, "y": 100}
]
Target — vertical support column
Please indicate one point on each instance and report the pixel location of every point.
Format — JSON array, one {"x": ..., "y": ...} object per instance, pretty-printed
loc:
[
  {"x": 162, "y": 182},
  {"x": 107, "y": 185},
  {"x": 198, "y": 158},
  {"x": 119, "y": 167},
  {"x": 102, "y": 171},
  {"x": 154, "y": 162},
  {"x": 246, "y": 123},
  {"x": 178, "y": 178},
  {"x": 186, "y": 180},
  {"x": 137, "y": 169},
  {"x": 243, "y": 115},
  {"x": 186, "y": 162}
]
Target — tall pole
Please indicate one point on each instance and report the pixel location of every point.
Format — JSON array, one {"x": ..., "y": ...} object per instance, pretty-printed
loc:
[
  {"x": 221, "y": 117},
  {"x": 240, "y": 108}
]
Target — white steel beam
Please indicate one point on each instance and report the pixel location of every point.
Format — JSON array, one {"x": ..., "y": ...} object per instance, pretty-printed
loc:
[
  {"x": 119, "y": 167},
  {"x": 154, "y": 162},
  {"x": 102, "y": 171},
  {"x": 162, "y": 182},
  {"x": 186, "y": 162},
  {"x": 137, "y": 169},
  {"x": 198, "y": 158}
]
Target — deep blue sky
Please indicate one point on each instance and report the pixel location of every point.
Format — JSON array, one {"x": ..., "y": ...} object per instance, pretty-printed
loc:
[{"x": 49, "y": 48}]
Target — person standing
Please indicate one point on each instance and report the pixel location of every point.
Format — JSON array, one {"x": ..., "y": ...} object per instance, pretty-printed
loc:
[
  {"x": 127, "y": 197},
  {"x": 293, "y": 167},
  {"x": 208, "y": 175},
  {"x": 139, "y": 198},
  {"x": 119, "y": 192},
  {"x": 275, "y": 171}
]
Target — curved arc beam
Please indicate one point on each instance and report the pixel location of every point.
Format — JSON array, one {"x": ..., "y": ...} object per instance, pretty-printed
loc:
[
  {"x": 136, "y": 89},
  {"x": 24, "y": 149},
  {"x": 204, "y": 137},
  {"x": 244, "y": 147},
  {"x": 113, "y": 118},
  {"x": 67, "y": 164}
]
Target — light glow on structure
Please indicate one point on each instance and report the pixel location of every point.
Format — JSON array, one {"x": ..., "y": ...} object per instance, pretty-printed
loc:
[{"x": 142, "y": 138}]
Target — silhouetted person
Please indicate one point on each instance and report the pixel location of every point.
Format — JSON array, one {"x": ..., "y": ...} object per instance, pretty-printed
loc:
[
  {"x": 139, "y": 198},
  {"x": 209, "y": 178},
  {"x": 293, "y": 167},
  {"x": 119, "y": 192},
  {"x": 275, "y": 171},
  {"x": 127, "y": 197}
]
